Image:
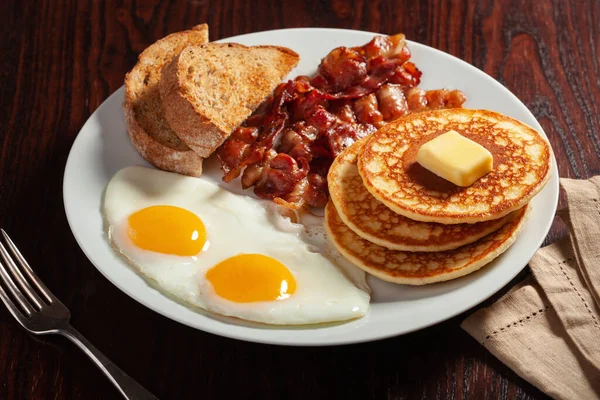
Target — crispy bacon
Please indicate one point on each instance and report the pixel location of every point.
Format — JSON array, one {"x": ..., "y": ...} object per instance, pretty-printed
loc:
[
  {"x": 392, "y": 102},
  {"x": 251, "y": 175},
  {"x": 344, "y": 111},
  {"x": 284, "y": 149},
  {"x": 316, "y": 190},
  {"x": 387, "y": 46},
  {"x": 367, "y": 110},
  {"x": 407, "y": 75},
  {"x": 280, "y": 176},
  {"x": 236, "y": 149},
  {"x": 416, "y": 99},
  {"x": 341, "y": 69}
]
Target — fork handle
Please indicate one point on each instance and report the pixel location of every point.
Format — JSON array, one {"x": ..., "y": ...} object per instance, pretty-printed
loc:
[{"x": 128, "y": 387}]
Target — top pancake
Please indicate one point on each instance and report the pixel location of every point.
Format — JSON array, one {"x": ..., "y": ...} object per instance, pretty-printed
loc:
[
  {"x": 373, "y": 221},
  {"x": 388, "y": 167}
]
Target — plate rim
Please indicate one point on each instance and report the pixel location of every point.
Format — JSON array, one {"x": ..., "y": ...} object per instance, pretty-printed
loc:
[{"x": 553, "y": 184}]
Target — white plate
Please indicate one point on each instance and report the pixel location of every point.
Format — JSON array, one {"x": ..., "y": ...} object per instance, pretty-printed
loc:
[{"x": 102, "y": 148}]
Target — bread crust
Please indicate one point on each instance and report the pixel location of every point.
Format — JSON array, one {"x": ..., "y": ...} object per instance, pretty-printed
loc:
[
  {"x": 194, "y": 130},
  {"x": 192, "y": 121},
  {"x": 158, "y": 144},
  {"x": 184, "y": 162}
]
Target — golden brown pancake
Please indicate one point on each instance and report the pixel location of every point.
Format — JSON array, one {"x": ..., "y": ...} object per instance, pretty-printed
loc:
[
  {"x": 373, "y": 221},
  {"x": 388, "y": 167},
  {"x": 419, "y": 268}
]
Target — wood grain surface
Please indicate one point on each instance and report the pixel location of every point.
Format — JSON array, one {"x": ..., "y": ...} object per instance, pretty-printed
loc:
[{"x": 61, "y": 59}]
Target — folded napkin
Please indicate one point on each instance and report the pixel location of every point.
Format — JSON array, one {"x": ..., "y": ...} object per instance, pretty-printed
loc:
[{"x": 547, "y": 328}]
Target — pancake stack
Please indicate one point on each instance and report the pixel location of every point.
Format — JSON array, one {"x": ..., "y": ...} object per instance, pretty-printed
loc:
[{"x": 400, "y": 222}]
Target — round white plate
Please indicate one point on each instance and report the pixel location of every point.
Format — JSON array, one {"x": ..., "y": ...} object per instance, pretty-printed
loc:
[{"x": 102, "y": 148}]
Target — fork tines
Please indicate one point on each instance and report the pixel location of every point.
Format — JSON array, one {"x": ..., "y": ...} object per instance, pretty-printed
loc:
[{"x": 30, "y": 300}]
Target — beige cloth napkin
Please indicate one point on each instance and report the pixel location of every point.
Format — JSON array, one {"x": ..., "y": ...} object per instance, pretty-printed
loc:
[{"x": 547, "y": 328}]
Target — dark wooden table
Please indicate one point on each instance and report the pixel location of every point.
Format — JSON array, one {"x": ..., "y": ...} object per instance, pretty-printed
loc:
[{"x": 61, "y": 59}]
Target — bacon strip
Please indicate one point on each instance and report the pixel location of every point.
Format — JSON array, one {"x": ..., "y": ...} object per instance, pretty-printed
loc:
[{"x": 286, "y": 147}]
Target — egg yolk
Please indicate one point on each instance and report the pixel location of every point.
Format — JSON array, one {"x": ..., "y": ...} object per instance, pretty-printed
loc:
[
  {"x": 247, "y": 278},
  {"x": 167, "y": 229}
]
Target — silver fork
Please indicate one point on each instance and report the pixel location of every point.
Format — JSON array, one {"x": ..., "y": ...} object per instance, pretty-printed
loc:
[{"x": 41, "y": 313}]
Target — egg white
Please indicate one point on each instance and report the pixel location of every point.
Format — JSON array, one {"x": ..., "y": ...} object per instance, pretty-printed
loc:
[{"x": 327, "y": 289}]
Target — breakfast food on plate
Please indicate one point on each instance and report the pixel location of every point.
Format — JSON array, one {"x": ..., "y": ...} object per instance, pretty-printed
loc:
[
  {"x": 455, "y": 158},
  {"x": 436, "y": 195},
  {"x": 416, "y": 189},
  {"x": 390, "y": 171},
  {"x": 285, "y": 148},
  {"x": 418, "y": 268},
  {"x": 149, "y": 132},
  {"x": 373, "y": 221},
  {"x": 226, "y": 253},
  {"x": 209, "y": 90}
]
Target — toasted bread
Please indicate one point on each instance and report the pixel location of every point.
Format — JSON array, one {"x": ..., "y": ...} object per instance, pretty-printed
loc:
[
  {"x": 148, "y": 130},
  {"x": 209, "y": 90}
]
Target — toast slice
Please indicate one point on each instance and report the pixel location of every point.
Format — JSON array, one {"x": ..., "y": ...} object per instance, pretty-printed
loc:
[
  {"x": 148, "y": 130},
  {"x": 209, "y": 90}
]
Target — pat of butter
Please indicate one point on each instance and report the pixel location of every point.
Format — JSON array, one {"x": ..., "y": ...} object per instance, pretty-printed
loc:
[{"x": 455, "y": 158}]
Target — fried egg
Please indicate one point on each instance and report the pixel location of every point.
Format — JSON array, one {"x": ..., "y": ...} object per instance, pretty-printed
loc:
[{"x": 227, "y": 253}]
